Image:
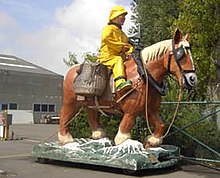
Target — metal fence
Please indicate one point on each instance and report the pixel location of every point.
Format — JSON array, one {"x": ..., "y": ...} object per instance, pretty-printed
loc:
[{"x": 196, "y": 130}]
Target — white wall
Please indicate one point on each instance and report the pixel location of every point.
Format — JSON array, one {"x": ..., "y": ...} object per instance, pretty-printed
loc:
[{"x": 22, "y": 116}]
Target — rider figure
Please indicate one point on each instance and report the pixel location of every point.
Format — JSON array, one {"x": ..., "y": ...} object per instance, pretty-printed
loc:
[{"x": 115, "y": 46}]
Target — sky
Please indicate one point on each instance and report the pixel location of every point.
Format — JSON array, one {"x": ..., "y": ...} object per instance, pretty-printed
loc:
[{"x": 43, "y": 32}]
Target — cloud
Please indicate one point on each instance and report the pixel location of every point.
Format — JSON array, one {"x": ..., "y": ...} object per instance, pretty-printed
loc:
[
  {"x": 8, "y": 30},
  {"x": 6, "y": 21},
  {"x": 76, "y": 28}
]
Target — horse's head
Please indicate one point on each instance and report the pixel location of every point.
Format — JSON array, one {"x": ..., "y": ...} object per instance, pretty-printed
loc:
[{"x": 180, "y": 62}]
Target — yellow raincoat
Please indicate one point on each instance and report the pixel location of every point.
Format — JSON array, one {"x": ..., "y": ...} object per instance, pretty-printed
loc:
[{"x": 112, "y": 41}]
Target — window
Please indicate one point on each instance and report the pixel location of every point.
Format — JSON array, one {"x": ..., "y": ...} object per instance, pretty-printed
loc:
[
  {"x": 37, "y": 107},
  {"x": 44, "y": 107},
  {"x": 51, "y": 108},
  {"x": 4, "y": 106},
  {"x": 13, "y": 106}
]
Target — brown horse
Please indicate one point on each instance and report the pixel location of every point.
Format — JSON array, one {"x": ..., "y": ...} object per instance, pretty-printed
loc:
[{"x": 167, "y": 57}]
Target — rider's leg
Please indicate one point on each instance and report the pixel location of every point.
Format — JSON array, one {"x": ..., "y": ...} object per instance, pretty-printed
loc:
[
  {"x": 119, "y": 75},
  {"x": 116, "y": 64}
]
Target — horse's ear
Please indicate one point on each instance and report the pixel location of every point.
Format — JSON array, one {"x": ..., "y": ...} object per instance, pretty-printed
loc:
[
  {"x": 186, "y": 37},
  {"x": 177, "y": 36}
]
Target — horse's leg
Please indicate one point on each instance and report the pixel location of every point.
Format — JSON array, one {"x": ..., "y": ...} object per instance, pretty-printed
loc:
[
  {"x": 94, "y": 122},
  {"x": 124, "y": 131},
  {"x": 155, "y": 139},
  {"x": 68, "y": 111}
]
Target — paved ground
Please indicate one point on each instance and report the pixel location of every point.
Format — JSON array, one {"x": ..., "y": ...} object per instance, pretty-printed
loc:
[{"x": 16, "y": 160}]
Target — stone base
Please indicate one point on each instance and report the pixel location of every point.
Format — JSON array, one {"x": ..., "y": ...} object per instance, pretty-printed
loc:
[{"x": 129, "y": 155}]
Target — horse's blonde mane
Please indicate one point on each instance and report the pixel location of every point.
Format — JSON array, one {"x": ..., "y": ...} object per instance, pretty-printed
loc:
[{"x": 155, "y": 51}]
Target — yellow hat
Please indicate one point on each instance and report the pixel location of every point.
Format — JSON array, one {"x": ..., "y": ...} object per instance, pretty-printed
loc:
[{"x": 117, "y": 11}]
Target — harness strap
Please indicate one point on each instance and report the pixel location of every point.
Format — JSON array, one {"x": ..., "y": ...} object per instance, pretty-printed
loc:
[
  {"x": 120, "y": 77},
  {"x": 161, "y": 88},
  {"x": 168, "y": 64},
  {"x": 98, "y": 107},
  {"x": 140, "y": 67},
  {"x": 178, "y": 63},
  {"x": 188, "y": 71}
]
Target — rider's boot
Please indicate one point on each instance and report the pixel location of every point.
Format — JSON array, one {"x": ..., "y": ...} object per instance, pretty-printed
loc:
[{"x": 119, "y": 77}]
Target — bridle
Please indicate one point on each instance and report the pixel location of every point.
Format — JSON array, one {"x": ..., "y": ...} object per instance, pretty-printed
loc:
[{"x": 178, "y": 54}]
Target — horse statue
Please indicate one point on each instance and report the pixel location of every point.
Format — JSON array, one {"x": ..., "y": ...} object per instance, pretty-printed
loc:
[{"x": 171, "y": 56}]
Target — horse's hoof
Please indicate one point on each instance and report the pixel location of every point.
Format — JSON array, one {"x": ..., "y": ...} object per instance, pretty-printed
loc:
[
  {"x": 147, "y": 146},
  {"x": 153, "y": 141},
  {"x": 64, "y": 139},
  {"x": 99, "y": 133},
  {"x": 121, "y": 137}
]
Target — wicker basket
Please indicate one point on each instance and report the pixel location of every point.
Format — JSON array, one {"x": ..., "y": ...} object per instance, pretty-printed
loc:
[{"x": 91, "y": 80}]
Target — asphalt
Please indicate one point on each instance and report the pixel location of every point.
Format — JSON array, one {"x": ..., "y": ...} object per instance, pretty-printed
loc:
[{"x": 16, "y": 160}]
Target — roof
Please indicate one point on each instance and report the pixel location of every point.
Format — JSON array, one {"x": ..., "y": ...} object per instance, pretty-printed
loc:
[{"x": 13, "y": 63}]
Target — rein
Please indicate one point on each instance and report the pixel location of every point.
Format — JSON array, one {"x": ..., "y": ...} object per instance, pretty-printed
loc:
[
  {"x": 175, "y": 113},
  {"x": 179, "y": 96},
  {"x": 50, "y": 136}
]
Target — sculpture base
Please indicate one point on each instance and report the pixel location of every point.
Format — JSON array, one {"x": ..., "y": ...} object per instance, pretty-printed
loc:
[{"x": 130, "y": 155}]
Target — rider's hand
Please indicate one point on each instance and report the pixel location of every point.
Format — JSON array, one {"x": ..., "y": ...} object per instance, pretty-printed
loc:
[{"x": 125, "y": 48}]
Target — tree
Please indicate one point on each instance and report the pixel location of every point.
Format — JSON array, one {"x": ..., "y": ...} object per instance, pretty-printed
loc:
[
  {"x": 71, "y": 59},
  {"x": 92, "y": 57},
  {"x": 200, "y": 18},
  {"x": 155, "y": 19},
  {"x": 203, "y": 23}
]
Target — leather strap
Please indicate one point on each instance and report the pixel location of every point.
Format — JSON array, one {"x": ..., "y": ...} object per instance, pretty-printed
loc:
[
  {"x": 161, "y": 88},
  {"x": 120, "y": 77}
]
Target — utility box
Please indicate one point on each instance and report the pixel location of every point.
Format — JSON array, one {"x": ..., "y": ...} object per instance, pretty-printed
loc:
[{"x": 2, "y": 130}]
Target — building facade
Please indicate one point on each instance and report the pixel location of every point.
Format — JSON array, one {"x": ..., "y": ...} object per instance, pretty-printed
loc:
[{"x": 25, "y": 86}]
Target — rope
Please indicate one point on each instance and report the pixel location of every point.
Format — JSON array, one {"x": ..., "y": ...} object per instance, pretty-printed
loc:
[
  {"x": 146, "y": 108},
  {"x": 46, "y": 138},
  {"x": 146, "y": 99},
  {"x": 43, "y": 140},
  {"x": 126, "y": 94},
  {"x": 175, "y": 113},
  {"x": 98, "y": 107},
  {"x": 129, "y": 91},
  {"x": 14, "y": 156}
]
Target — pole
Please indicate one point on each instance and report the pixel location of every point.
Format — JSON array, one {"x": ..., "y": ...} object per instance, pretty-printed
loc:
[{"x": 6, "y": 125}]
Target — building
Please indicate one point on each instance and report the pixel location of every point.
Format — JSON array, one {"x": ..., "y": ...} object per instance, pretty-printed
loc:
[{"x": 27, "y": 88}]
